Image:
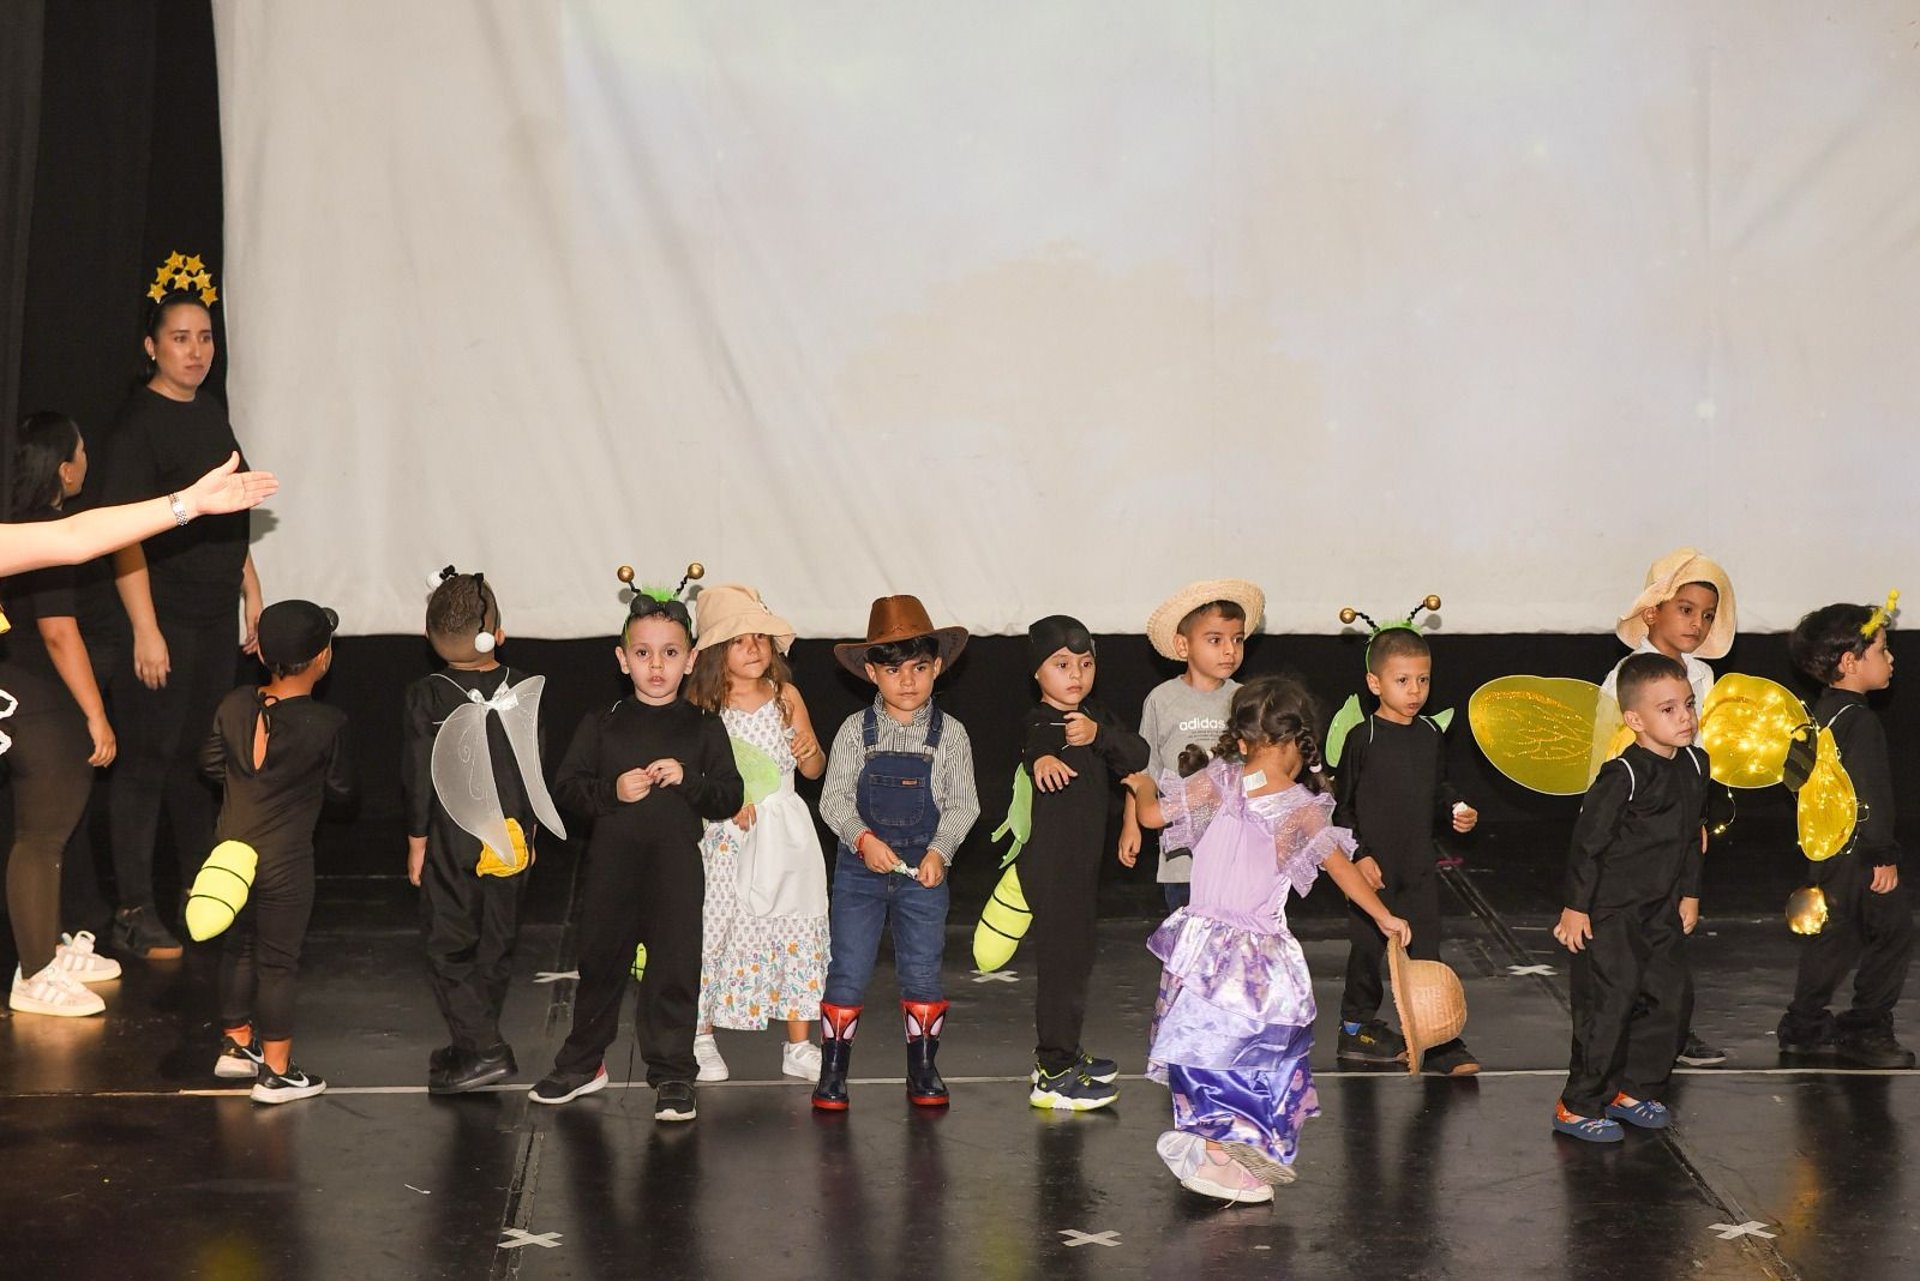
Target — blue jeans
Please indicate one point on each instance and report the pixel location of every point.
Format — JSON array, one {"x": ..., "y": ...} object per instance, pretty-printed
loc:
[
  {"x": 1179, "y": 894},
  {"x": 862, "y": 902}
]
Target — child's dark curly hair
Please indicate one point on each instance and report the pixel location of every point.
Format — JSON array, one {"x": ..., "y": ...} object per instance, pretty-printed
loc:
[
  {"x": 1819, "y": 640},
  {"x": 462, "y": 605},
  {"x": 1275, "y": 709}
]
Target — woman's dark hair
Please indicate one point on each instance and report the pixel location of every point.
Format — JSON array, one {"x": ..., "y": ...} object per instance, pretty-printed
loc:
[
  {"x": 157, "y": 319},
  {"x": 893, "y": 653},
  {"x": 46, "y": 440},
  {"x": 1818, "y": 641},
  {"x": 1276, "y": 709}
]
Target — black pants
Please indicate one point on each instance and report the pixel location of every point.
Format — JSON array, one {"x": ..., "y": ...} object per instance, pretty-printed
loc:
[
  {"x": 51, "y": 779},
  {"x": 1873, "y": 932},
  {"x": 260, "y": 956},
  {"x": 161, "y": 732},
  {"x": 1629, "y": 988},
  {"x": 653, "y": 895},
  {"x": 471, "y": 924},
  {"x": 1412, "y": 893},
  {"x": 1061, "y": 882}
]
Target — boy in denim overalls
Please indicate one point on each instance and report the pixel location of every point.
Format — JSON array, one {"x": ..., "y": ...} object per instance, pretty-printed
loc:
[{"x": 900, "y": 795}]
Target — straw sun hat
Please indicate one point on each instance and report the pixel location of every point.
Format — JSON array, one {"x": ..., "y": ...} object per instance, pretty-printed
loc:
[
  {"x": 1664, "y": 580},
  {"x": 1164, "y": 623},
  {"x": 1430, "y": 1000},
  {"x": 727, "y": 610}
]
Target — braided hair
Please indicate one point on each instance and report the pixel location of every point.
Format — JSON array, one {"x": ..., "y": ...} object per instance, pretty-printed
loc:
[{"x": 1275, "y": 709}]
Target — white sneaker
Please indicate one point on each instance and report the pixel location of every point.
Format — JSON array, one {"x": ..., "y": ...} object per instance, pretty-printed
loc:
[
  {"x": 1209, "y": 1171},
  {"x": 74, "y": 954},
  {"x": 52, "y": 991},
  {"x": 707, "y": 1055},
  {"x": 801, "y": 1059}
]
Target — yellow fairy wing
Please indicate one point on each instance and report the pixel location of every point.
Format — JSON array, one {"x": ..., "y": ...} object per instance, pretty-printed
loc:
[
  {"x": 1610, "y": 733},
  {"x": 1746, "y": 728},
  {"x": 1538, "y": 730},
  {"x": 1828, "y": 807}
]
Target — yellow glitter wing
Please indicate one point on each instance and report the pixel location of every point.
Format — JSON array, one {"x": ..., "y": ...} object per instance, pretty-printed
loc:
[
  {"x": 1538, "y": 730},
  {"x": 1828, "y": 806}
]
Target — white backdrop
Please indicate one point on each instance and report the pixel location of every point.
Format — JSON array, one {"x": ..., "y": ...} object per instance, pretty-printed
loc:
[{"x": 1032, "y": 308}]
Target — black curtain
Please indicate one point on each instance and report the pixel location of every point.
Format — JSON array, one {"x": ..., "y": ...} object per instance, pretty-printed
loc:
[
  {"x": 22, "y": 27},
  {"x": 125, "y": 169}
]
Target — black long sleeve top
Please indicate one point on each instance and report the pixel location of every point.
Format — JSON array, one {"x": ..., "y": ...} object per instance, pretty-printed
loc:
[
  {"x": 1075, "y": 817},
  {"x": 308, "y": 767},
  {"x": 1863, "y": 752},
  {"x": 1637, "y": 839},
  {"x": 1392, "y": 789},
  {"x": 631, "y": 734}
]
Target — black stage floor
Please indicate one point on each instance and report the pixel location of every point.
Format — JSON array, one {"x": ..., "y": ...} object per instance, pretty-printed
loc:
[{"x": 124, "y": 1159}]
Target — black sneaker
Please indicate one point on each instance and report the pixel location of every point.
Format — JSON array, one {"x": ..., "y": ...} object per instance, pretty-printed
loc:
[
  {"x": 565, "y": 1087},
  {"x": 285, "y": 1087},
  {"x": 1071, "y": 1090},
  {"x": 469, "y": 1071},
  {"x": 137, "y": 931},
  {"x": 1871, "y": 1048},
  {"x": 1697, "y": 1053},
  {"x": 1105, "y": 1071},
  {"x": 1805, "y": 1040},
  {"x": 1375, "y": 1042},
  {"x": 673, "y": 1101},
  {"x": 1450, "y": 1058},
  {"x": 239, "y": 1062}
]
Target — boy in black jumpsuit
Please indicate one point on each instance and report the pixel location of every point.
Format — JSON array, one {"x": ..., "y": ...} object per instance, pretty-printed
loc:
[
  {"x": 280, "y": 756},
  {"x": 1391, "y": 790},
  {"x": 648, "y": 770},
  {"x": 1074, "y": 753},
  {"x": 1869, "y": 921},
  {"x": 471, "y": 922},
  {"x": 1633, "y": 894}
]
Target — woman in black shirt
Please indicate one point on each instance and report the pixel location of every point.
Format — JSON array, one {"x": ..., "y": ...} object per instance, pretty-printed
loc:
[
  {"x": 179, "y": 590},
  {"x": 59, "y": 732}
]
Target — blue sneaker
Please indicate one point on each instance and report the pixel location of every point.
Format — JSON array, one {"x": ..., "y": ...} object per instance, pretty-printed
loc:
[
  {"x": 1646, "y": 1114},
  {"x": 1588, "y": 1129}
]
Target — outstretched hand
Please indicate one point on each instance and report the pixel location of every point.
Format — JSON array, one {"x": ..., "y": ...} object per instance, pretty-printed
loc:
[{"x": 228, "y": 489}]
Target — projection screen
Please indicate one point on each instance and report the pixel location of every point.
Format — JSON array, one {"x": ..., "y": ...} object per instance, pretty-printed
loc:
[{"x": 1047, "y": 307}]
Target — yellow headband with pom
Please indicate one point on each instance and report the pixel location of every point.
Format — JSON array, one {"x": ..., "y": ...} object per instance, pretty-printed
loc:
[{"x": 1882, "y": 615}]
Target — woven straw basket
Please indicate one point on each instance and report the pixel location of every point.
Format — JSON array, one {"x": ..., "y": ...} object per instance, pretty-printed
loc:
[{"x": 1431, "y": 1002}]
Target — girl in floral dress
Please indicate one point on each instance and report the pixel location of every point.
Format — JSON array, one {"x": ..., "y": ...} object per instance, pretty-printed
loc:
[
  {"x": 1233, "y": 1024},
  {"x": 764, "y": 949}
]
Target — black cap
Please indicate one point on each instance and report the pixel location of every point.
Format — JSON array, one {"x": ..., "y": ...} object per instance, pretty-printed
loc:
[
  {"x": 1055, "y": 632},
  {"x": 293, "y": 632}
]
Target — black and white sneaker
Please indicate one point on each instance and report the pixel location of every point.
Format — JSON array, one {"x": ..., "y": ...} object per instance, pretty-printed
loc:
[
  {"x": 1102, "y": 1071},
  {"x": 285, "y": 1087},
  {"x": 1071, "y": 1090},
  {"x": 1697, "y": 1053},
  {"x": 673, "y": 1101},
  {"x": 564, "y": 1087},
  {"x": 239, "y": 1062}
]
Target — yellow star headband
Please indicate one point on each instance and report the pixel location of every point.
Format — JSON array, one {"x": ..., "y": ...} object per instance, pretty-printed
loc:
[
  {"x": 1882, "y": 615},
  {"x": 181, "y": 274}
]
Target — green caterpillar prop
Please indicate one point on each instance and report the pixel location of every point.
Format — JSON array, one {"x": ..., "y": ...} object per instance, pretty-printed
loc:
[
  {"x": 221, "y": 888},
  {"x": 1006, "y": 917}
]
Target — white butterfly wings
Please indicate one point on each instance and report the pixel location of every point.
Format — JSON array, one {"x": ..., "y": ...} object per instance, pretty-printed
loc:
[{"x": 462, "y": 766}]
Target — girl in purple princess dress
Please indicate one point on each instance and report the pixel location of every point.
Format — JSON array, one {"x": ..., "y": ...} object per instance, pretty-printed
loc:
[{"x": 1234, "y": 1021}]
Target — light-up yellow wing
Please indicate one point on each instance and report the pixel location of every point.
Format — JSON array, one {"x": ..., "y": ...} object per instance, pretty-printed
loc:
[
  {"x": 1538, "y": 730},
  {"x": 1747, "y": 726},
  {"x": 1829, "y": 806}
]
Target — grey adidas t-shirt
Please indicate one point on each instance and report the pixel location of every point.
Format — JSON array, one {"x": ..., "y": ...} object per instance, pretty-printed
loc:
[{"x": 1176, "y": 714}]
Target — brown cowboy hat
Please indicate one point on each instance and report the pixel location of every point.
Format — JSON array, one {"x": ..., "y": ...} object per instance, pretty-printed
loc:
[
  {"x": 899, "y": 618},
  {"x": 1431, "y": 1002}
]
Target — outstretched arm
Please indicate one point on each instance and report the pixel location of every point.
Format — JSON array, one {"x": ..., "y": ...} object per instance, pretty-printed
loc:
[{"x": 95, "y": 533}]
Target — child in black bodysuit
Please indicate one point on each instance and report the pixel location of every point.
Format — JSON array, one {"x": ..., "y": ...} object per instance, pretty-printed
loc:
[
  {"x": 280, "y": 756},
  {"x": 647, "y": 770}
]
